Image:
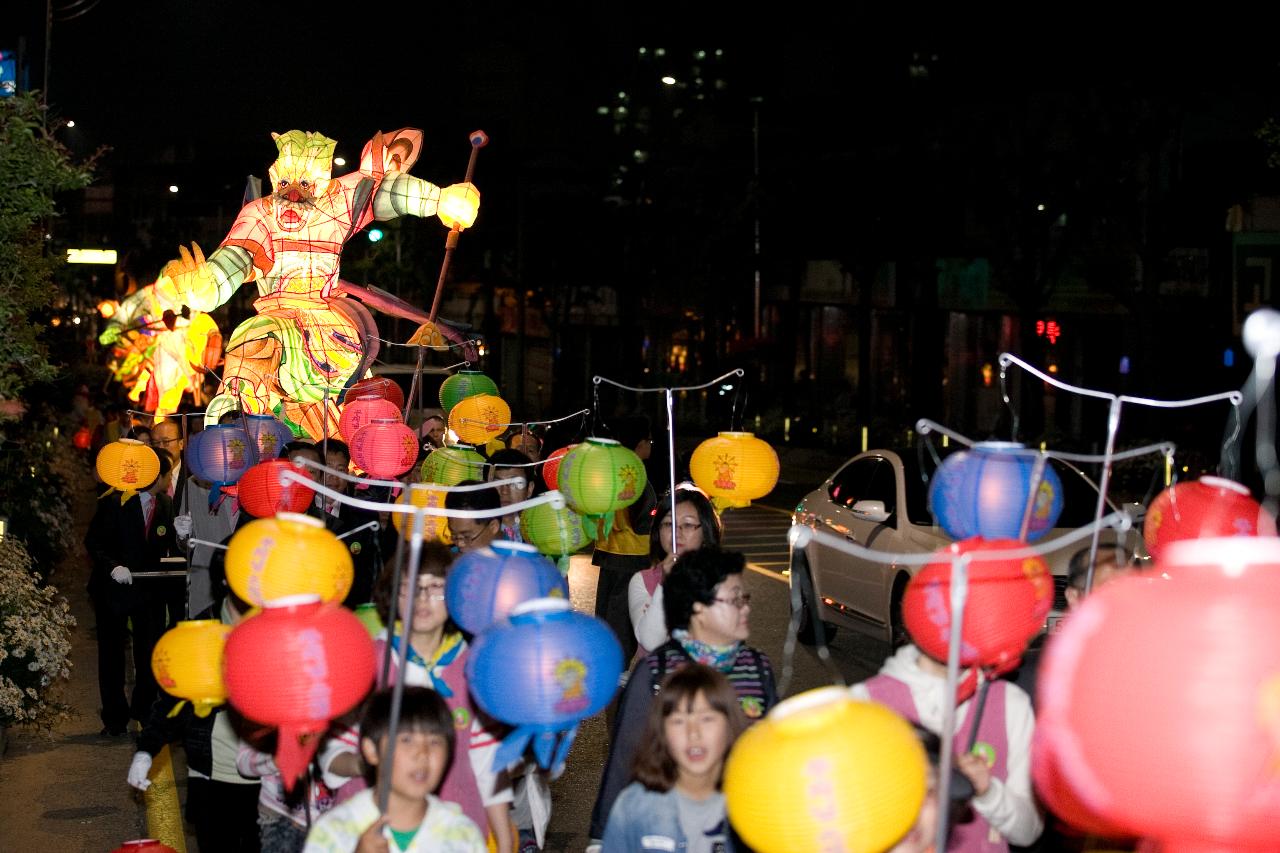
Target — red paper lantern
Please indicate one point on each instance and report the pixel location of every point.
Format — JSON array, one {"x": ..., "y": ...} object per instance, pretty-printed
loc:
[
  {"x": 297, "y": 665},
  {"x": 1208, "y": 507},
  {"x": 82, "y": 438},
  {"x": 1160, "y": 702},
  {"x": 144, "y": 845},
  {"x": 360, "y": 411},
  {"x": 1060, "y": 799},
  {"x": 1007, "y": 604},
  {"x": 384, "y": 448},
  {"x": 551, "y": 468},
  {"x": 378, "y": 386},
  {"x": 261, "y": 494}
]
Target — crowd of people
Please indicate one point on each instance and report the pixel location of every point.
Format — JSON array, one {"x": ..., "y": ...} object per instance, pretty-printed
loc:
[{"x": 675, "y": 599}]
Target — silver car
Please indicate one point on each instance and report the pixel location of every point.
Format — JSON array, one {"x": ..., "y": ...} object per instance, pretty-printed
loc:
[{"x": 879, "y": 499}]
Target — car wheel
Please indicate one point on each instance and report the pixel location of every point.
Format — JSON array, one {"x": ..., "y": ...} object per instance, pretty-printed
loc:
[
  {"x": 898, "y": 635},
  {"x": 811, "y": 630}
]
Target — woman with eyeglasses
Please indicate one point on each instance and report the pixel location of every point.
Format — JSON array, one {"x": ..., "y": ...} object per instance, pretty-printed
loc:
[
  {"x": 697, "y": 526},
  {"x": 707, "y": 610}
]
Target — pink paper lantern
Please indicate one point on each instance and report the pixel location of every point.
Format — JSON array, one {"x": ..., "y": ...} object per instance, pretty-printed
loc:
[{"x": 384, "y": 448}]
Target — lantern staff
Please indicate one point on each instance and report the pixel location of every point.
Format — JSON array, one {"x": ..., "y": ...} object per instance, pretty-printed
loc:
[
  {"x": 671, "y": 427},
  {"x": 1117, "y": 401}
]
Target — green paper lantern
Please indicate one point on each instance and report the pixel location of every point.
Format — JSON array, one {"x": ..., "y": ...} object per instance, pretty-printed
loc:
[
  {"x": 367, "y": 613},
  {"x": 464, "y": 384},
  {"x": 598, "y": 478},
  {"x": 449, "y": 466},
  {"x": 554, "y": 532}
]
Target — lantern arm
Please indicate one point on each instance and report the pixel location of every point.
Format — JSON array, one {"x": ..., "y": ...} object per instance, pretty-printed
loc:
[
  {"x": 739, "y": 372},
  {"x": 576, "y": 414},
  {"x": 518, "y": 482},
  {"x": 1233, "y": 397},
  {"x": 800, "y": 535},
  {"x": 925, "y": 426},
  {"x": 387, "y": 303},
  {"x": 368, "y": 525},
  {"x": 554, "y": 498}
]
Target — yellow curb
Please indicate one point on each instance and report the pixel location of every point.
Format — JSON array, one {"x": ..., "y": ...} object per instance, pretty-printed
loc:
[{"x": 164, "y": 814}]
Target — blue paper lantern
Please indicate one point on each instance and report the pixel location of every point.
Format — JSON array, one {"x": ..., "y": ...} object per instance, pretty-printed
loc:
[
  {"x": 543, "y": 670},
  {"x": 269, "y": 435},
  {"x": 988, "y": 491},
  {"x": 219, "y": 453},
  {"x": 484, "y": 585}
]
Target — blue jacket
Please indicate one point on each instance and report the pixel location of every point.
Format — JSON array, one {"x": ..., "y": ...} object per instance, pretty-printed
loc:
[{"x": 648, "y": 820}]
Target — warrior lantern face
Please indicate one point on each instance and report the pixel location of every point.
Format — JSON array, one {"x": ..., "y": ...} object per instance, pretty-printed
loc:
[{"x": 300, "y": 175}]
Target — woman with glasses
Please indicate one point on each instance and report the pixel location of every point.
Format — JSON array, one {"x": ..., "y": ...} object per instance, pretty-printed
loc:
[
  {"x": 697, "y": 526},
  {"x": 707, "y": 610}
]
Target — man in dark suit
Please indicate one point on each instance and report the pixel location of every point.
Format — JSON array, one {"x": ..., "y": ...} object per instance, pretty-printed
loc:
[
  {"x": 123, "y": 539},
  {"x": 366, "y": 552}
]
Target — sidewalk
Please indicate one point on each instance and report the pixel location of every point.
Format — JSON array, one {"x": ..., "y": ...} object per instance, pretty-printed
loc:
[{"x": 66, "y": 791}]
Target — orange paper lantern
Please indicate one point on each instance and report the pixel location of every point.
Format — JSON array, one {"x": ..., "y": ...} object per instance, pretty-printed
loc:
[
  {"x": 187, "y": 663},
  {"x": 127, "y": 465},
  {"x": 289, "y": 554},
  {"x": 734, "y": 469}
]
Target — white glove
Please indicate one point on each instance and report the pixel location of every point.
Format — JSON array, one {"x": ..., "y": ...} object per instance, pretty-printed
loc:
[
  {"x": 120, "y": 574},
  {"x": 138, "y": 771},
  {"x": 182, "y": 526}
]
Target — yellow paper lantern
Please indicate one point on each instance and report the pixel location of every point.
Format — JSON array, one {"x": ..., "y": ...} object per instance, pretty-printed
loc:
[
  {"x": 478, "y": 419},
  {"x": 288, "y": 554},
  {"x": 824, "y": 771},
  {"x": 127, "y": 465},
  {"x": 433, "y": 526},
  {"x": 734, "y": 469},
  {"x": 187, "y": 663}
]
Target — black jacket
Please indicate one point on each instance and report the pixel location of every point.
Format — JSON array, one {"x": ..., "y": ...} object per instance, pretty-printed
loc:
[{"x": 116, "y": 538}]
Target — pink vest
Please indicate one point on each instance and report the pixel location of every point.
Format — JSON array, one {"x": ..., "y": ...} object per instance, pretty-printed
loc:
[
  {"x": 976, "y": 836},
  {"x": 652, "y": 579},
  {"x": 459, "y": 784}
]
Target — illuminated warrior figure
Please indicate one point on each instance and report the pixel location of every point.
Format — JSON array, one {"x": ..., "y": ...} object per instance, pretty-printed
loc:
[
  {"x": 161, "y": 349},
  {"x": 308, "y": 342}
]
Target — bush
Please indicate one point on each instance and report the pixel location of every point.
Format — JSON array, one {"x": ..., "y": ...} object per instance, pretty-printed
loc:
[{"x": 35, "y": 642}]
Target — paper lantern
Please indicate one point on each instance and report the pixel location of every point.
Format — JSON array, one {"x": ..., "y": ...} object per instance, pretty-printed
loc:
[
  {"x": 479, "y": 418},
  {"x": 551, "y": 468},
  {"x": 367, "y": 613},
  {"x": 554, "y": 532},
  {"x": 734, "y": 469},
  {"x": 289, "y": 554},
  {"x": 220, "y": 454},
  {"x": 464, "y": 384},
  {"x": 1160, "y": 699},
  {"x": 449, "y": 466},
  {"x": 82, "y": 438},
  {"x": 486, "y": 584},
  {"x": 1208, "y": 507},
  {"x": 598, "y": 478},
  {"x": 297, "y": 665},
  {"x": 187, "y": 663},
  {"x": 358, "y": 412},
  {"x": 377, "y": 386},
  {"x": 384, "y": 448},
  {"x": 825, "y": 772},
  {"x": 434, "y": 527},
  {"x": 127, "y": 465},
  {"x": 1008, "y": 601},
  {"x": 567, "y": 665},
  {"x": 268, "y": 434},
  {"x": 985, "y": 491},
  {"x": 144, "y": 845},
  {"x": 1060, "y": 799},
  {"x": 261, "y": 493}
]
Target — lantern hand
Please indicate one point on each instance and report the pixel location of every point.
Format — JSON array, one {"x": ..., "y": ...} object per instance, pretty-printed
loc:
[
  {"x": 189, "y": 280},
  {"x": 458, "y": 206},
  {"x": 428, "y": 335}
]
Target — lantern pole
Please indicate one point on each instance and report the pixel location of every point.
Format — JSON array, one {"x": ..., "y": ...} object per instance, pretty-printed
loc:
[
  {"x": 671, "y": 467},
  {"x": 959, "y": 594},
  {"x": 478, "y": 139},
  {"x": 397, "y": 691}
]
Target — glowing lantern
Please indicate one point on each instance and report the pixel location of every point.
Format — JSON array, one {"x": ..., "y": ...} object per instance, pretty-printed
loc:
[
  {"x": 449, "y": 466},
  {"x": 824, "y": 771},
  {"x": 598, "y": 478},
  {"x": 433, "y": 526},
  {"x": 479, "y": 418},
  {"x": 734, "y": 469},
  {"x": 187, "y": 663},
  {"x": 567, "y": 665},
  {"x": 1208, "y": 507},
  {"x": 268, "y": 434},
  {"x": 1008, "y": 602},
  {"x": 289, "y": 554},
  {"x": 297, "y": 665},
  {"x": 367, "y": 613},
  {"x": 144, "y": 845},
  {"x": 82, "y": 438},
  {"x": 358, "y": 412},
  {"x": 219, "y": 453},
  {"x": 464, "y": 384},
  {"x": 1152, "y": 681},
  {"x": 377, "y": 386},
  {"x": 384, "y": 448},
  {"x": 985, "y": 491},
  {"x": 554, "y": 532},
  {"x": 127, "y": 465},
  {"x": 262, "y": 494},
  {"x": 486, "y": 584},
  {"x": 551, "y": 467}
]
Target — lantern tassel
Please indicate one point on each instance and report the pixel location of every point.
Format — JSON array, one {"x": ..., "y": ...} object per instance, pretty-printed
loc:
[
  {"x": 562, "y": 563},
  {"x": 550, "y": 749},
  {"x": 177, "y": 709},
  {"x": 294, "y": 751}
]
